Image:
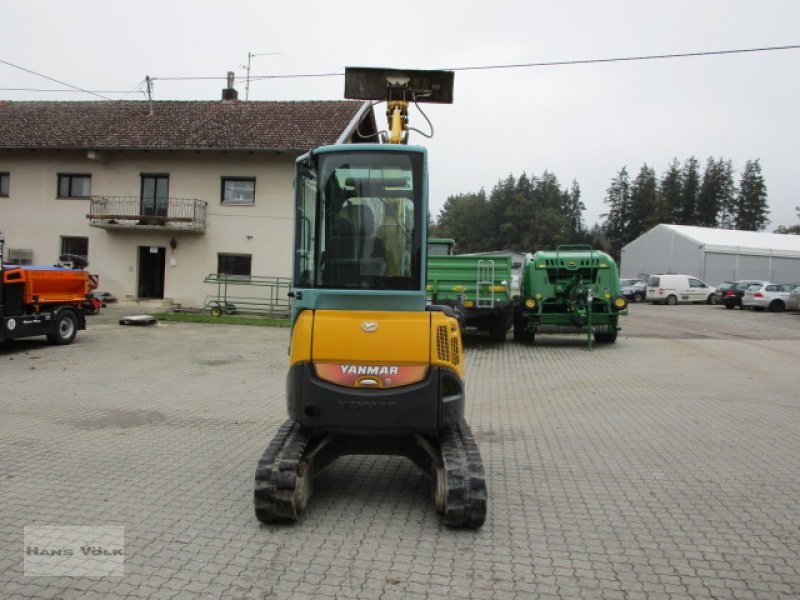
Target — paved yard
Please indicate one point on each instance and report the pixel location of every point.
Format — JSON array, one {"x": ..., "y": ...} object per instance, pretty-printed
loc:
[{"x": 665, "y": 466}]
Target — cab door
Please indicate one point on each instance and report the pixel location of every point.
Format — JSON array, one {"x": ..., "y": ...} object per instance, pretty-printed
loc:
[{"x": 698, "y": 291}]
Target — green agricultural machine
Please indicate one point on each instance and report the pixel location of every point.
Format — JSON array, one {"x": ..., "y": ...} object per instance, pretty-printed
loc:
[
  {"x": 572, "y": 290},
  {"x": 441, "y": 247},
  {"x": 477, "y": 288}
]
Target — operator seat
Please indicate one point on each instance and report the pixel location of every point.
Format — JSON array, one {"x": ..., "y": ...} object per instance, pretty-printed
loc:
[{"x": 355, "y": 254}]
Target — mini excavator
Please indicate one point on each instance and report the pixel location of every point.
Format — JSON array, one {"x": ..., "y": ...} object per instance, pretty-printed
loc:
[{"x": 373, "y": 369}]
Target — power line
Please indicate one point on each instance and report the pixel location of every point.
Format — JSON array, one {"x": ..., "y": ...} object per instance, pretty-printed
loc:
[
  {"x": 627, "y": 58},
  {"x": 69, "y": 85},
  {"x": 555, "y": 63},
  {"x": 526, "y": 65},
  {"x": 5, "y": 89}
]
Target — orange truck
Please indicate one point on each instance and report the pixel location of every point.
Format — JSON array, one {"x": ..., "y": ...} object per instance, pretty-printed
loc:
[{"x": 42, "y": 301}]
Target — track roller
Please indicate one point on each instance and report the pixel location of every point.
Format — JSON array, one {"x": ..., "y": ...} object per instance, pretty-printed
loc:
[{"x": 285, "y": 473}]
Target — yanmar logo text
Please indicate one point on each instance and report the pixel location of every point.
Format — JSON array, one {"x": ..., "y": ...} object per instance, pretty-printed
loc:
[
  {"x": 381, "y": 376},
  {"x": 369, "y": 370}
]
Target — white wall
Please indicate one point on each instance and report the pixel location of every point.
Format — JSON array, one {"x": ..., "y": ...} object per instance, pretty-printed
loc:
[
  {"x": 32, "y": 217},
  {"x": 661, "y": 250}
]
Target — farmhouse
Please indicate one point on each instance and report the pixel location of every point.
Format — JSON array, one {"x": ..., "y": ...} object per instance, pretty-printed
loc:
[{"x": 159, "y": 195}]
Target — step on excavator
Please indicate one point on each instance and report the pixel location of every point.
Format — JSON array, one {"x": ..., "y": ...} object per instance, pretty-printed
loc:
[{"x": 373, "y": 368}]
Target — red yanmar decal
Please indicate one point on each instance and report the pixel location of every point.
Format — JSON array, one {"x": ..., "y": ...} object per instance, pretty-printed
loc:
[{"x": 381, "y": 376}]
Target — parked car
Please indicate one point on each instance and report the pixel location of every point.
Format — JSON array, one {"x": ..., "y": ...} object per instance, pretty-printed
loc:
[
  {"x": 771, "y": 296},
  {"x": 794, "y": 299},
  {"x": 633, "y": 289},
  {"x": 672, "y": 289},
  {"x": 729, "y": 294}
]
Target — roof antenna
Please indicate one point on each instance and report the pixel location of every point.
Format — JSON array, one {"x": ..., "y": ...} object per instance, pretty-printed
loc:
[
  {"x": 250, "y": 55},
  {"x": 150, "y": 94}
]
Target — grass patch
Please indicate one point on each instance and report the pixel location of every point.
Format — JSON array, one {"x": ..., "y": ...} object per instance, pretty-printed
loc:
[{"x": 221, "y": 320}]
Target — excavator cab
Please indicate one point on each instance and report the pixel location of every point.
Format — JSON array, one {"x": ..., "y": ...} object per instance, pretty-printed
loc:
[
  {"x": 359, "y": 220},
  {"x": 372, "y": 369}
]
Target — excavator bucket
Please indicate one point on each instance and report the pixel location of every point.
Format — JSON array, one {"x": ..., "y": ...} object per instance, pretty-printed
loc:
[{"x": 367, "y": 83}]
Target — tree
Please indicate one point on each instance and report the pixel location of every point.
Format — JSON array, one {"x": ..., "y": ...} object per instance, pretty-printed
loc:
[
  {"x": 618, "y": 218},
  {"x": 463, "y": 218},
  {"x": 668, "y": 199},
  {"x": 715, "y": 199},
  {"x": 690, "y": 187},
  {"x": 573, "y": 207},
  {"x": 793, "y": 229},
  {"x": 643, "y": 202},
  {"x": 751, "y": 201}
]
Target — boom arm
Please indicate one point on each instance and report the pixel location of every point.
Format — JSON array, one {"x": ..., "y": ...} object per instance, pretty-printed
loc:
[{"x": 397, "y": 88}]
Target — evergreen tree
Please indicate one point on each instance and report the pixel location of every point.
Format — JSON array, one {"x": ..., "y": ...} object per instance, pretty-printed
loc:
[
  {"x": 500, "y": 226},
  {"x": 668, "y": 200},
  {"x": 793, "y": 229},
  {"x": 643, "y": 202},
  {"x": 690, "y": 187},
  {"x": 716, "y": 194},
  {"x": 572, "y": 209},
  {"x": 727, "y": 194},
  {"x": 618, "y": 218},
  {"x": 546, "y": 229},
  {"x": 751, "y": 201}
]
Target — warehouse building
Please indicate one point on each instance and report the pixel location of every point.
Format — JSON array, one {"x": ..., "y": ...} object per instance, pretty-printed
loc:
[{"x": 713, "y": 255}]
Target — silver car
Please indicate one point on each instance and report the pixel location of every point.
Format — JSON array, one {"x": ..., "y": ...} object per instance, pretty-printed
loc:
[
  {"x": 794, "y": 298},
  {"x": 771, "y": 296}
]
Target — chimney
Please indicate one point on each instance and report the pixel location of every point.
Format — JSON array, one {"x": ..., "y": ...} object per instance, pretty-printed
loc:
[{"x": 229, "y": 94}]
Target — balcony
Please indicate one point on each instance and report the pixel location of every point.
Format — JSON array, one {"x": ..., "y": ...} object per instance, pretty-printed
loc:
[{"x": 133, "y": 213}]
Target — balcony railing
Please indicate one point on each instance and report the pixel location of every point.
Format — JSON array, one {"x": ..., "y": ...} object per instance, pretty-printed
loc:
[{"x": 132, "y": 212}]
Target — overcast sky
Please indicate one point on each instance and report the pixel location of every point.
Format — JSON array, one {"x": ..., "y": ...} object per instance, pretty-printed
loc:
[{"x": 581, "y": 122}]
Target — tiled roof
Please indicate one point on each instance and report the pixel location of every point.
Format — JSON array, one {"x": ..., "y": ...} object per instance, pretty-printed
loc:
[{"x": 286, "y": 126}]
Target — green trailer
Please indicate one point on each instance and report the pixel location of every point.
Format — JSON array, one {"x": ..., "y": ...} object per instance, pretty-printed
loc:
[
  {"x": 572, "y": 290},
  {"x": 477, "y": 288}
]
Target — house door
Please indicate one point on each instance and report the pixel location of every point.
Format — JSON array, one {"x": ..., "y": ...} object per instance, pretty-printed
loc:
[
  {"x": 155, "y": 195},
  {"x": 152, "y": 260}
]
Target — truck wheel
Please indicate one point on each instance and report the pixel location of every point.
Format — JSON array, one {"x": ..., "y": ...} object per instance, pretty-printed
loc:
[
  {"x": 521, "y": 334},
  {"x": 66, "y": 327},
  {"x": 671, "y": 300},
  {"x": 497, "y": 328}
]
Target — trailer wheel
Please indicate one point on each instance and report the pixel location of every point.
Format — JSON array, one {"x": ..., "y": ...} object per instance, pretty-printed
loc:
[
  {"x": 66, "y": 327},
  {"x": 215, "y": 311},
  {"x": 607, "y": 337},
  {"x": 497, "y": 327},
  {"x": 521, "y": 334}
]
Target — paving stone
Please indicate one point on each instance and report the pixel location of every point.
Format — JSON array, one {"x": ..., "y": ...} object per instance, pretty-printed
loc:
[{"x": 655, "y": 467}]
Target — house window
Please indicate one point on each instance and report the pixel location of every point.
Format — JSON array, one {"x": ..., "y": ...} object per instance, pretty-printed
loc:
[
  {"x": 238, "y": 190},
  {"x": 5, "y": 180},
  {"x": 75, "y": 245},
  {"x": 74, "y": 186},
  {"x": 19, "y": 256},
  {"x": 234, "y": 264},
  {"x": 155, "y": 195}
]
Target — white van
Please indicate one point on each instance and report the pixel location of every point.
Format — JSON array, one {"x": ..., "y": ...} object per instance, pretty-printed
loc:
[{"x": 671, "y": 289}]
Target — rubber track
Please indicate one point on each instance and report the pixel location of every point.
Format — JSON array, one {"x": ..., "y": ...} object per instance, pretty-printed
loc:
[
  {"x": 276, "y": 475},
  {"x": 465, "y": 505}
]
